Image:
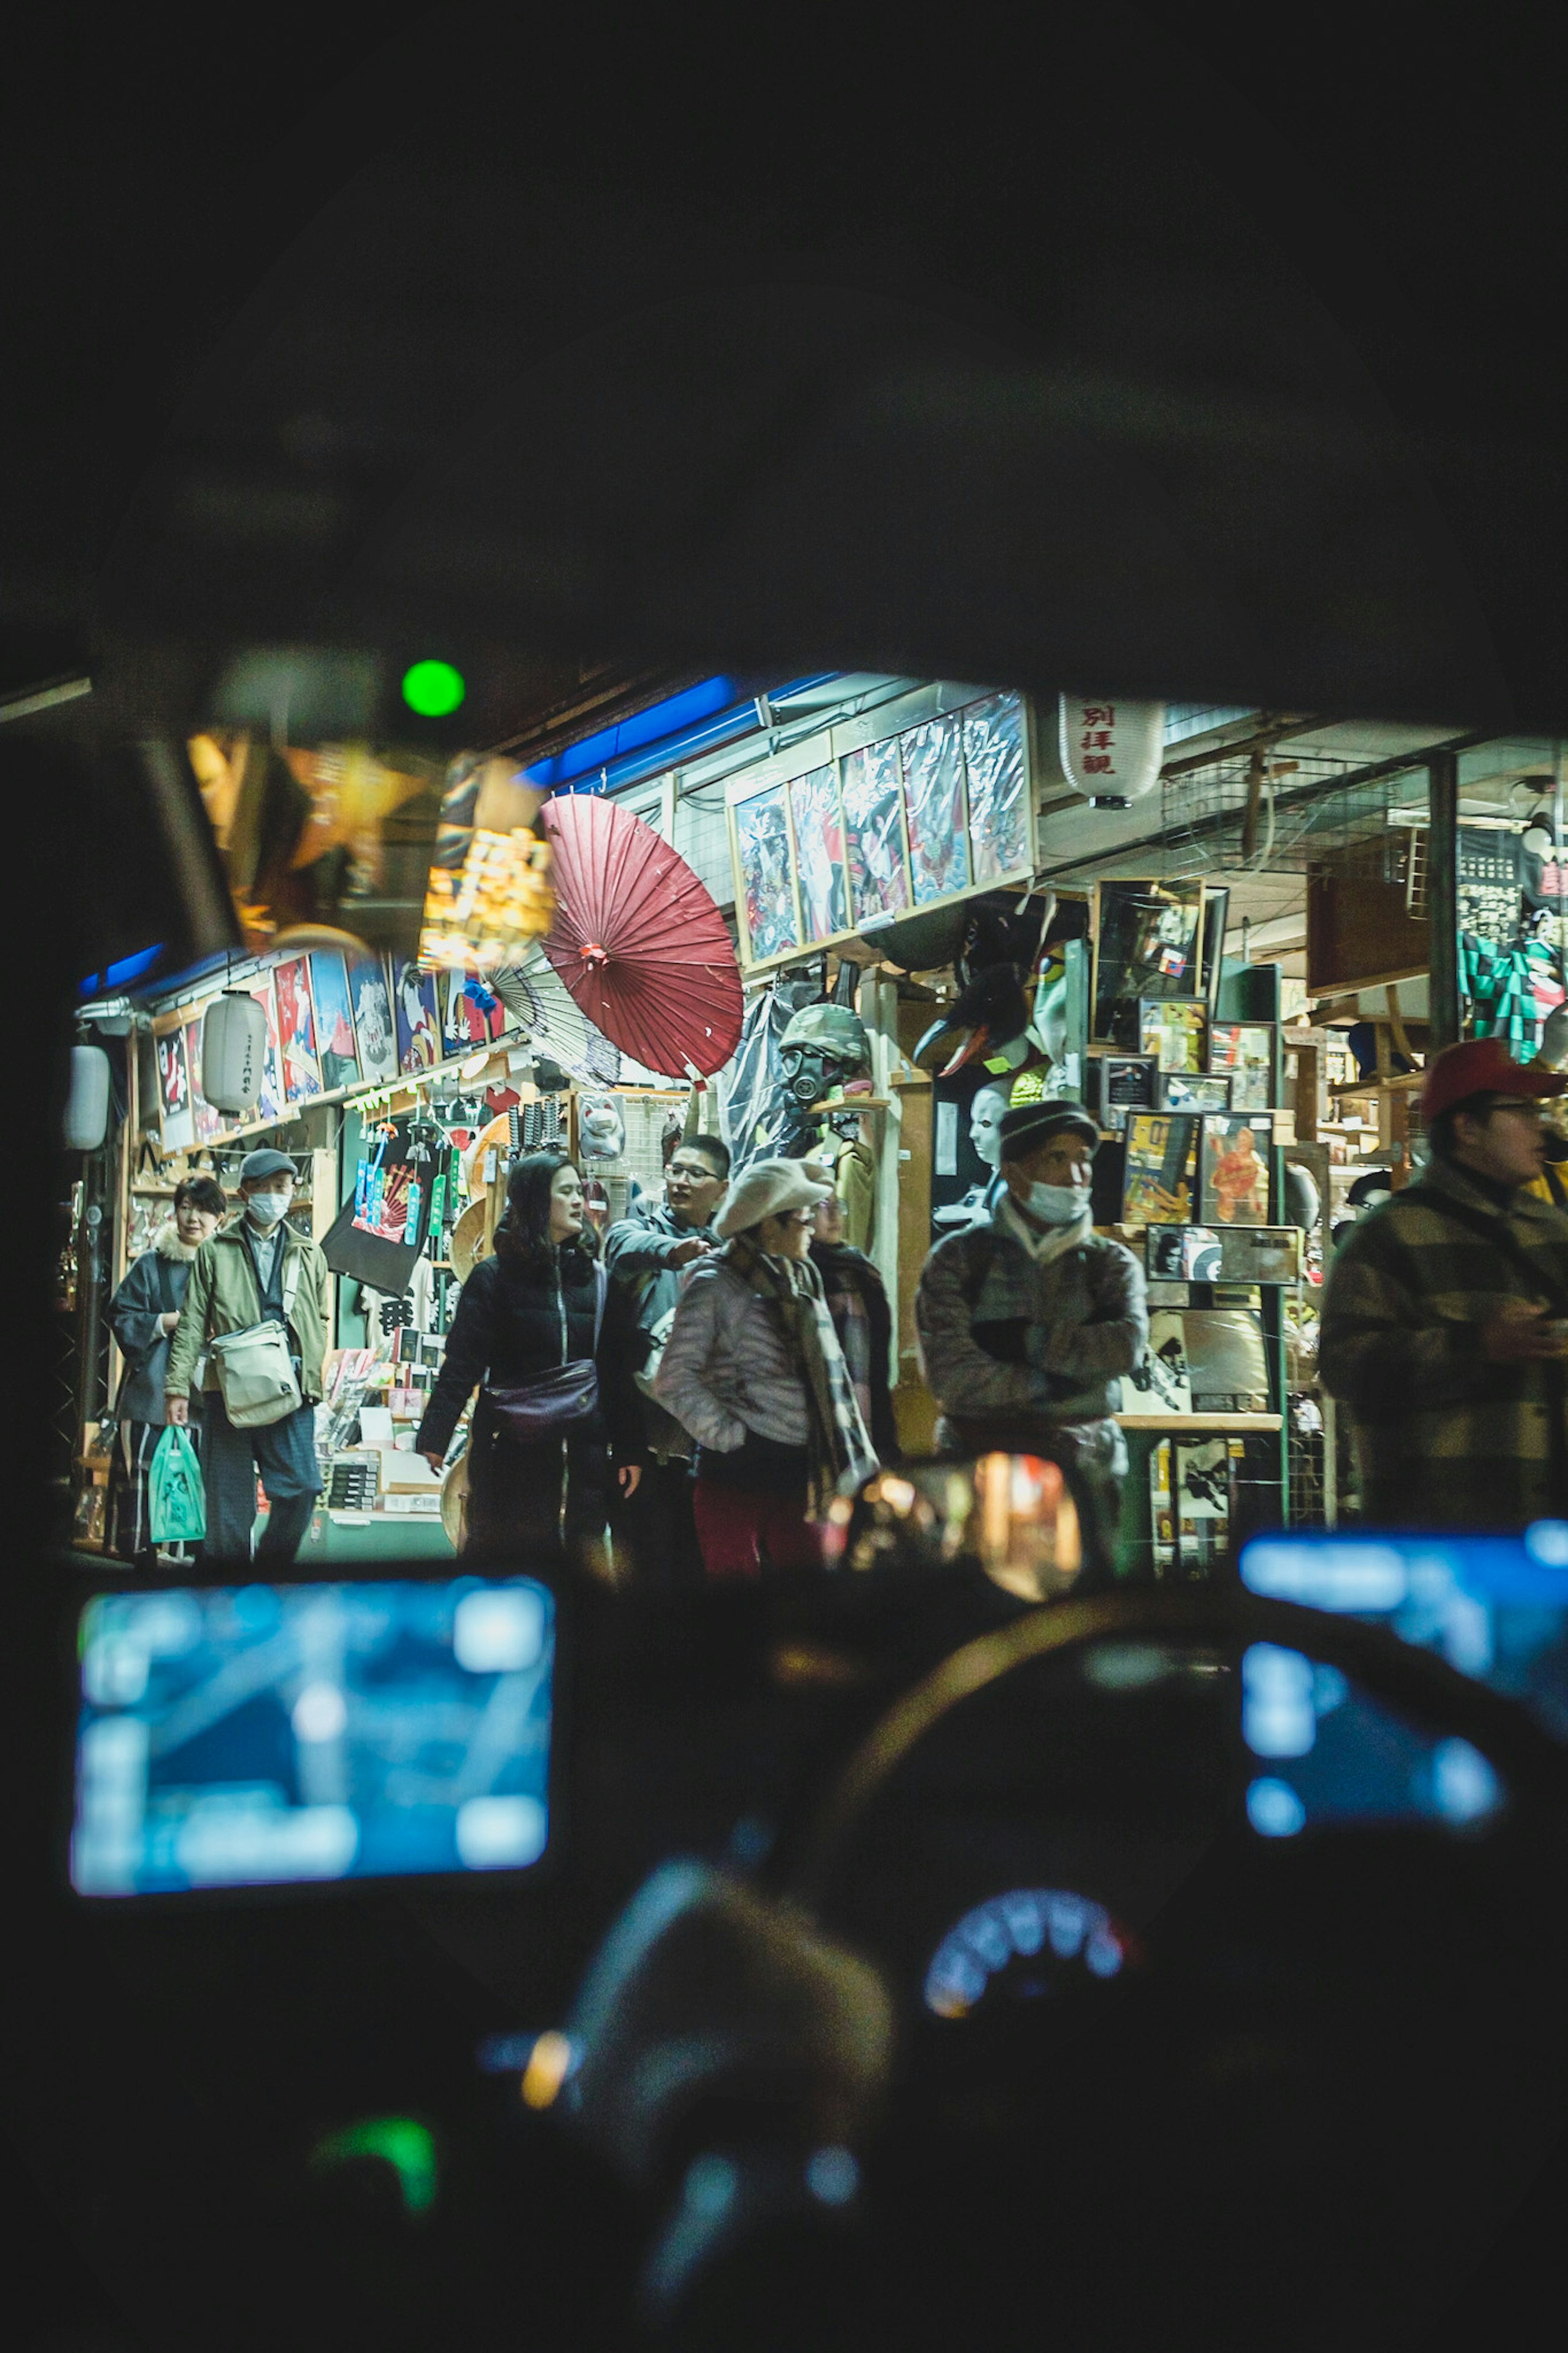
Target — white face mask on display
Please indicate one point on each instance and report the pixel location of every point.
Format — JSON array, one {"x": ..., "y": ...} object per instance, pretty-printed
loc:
[
  {"x": 1059, "y": 1204},
  {"x": 264, "y": 1210}
]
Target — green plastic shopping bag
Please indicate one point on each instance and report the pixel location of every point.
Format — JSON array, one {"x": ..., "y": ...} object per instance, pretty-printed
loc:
[{"x": 176, "y": 1506}]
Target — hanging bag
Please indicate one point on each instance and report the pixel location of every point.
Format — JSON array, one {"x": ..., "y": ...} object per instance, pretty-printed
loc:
[
  {"x": 557, "y": 1401},
  {"x": 176, "y": 1503}
]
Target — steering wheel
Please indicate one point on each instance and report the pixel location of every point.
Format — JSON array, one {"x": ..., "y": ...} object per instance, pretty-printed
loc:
[{"x": 1208, "y": 2127}]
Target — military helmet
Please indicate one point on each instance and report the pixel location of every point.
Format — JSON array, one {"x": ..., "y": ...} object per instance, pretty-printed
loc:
[{"x": 830, "y": 1029}]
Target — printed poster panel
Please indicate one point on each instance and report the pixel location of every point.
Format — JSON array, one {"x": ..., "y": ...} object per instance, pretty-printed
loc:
[
  {"x": 471, "y": 1013},
  {"x": 269, "y": 1102},
  {"x": 819, "y": 853},
  {"x": 763, "y": 842},
  {"x": 208, "y": 1122},
  {"x": 1235, "y": 1170},
  {"x": 1160, "y": 1385},
  {"x": 297, "y": 1029},
  {"x": 372, "y": 1020},
  {"x": 337, "y": 1053},
  {"x": 418, "y": 1030},
  {"x": 934, "y": 805},
  {"x": 175, "y": 1117},
  {"x": 1174, "y": 1031},
  {"x": 874, "y": 832},
  {"x": 1246, "y": 1050},
  {"x": 994, "y": 759},
  {"x": 1161, "y": 1173}
]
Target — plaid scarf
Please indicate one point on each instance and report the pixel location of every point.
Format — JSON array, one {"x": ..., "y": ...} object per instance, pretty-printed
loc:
[{"x": 839, "y": 1448}]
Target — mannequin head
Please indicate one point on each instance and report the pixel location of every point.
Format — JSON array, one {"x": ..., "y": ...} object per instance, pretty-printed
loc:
[{"x": 986, "y": 1124}]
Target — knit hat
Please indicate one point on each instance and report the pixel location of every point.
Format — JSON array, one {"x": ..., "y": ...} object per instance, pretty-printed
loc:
[
  {"x": 765, "y": 1190},
  {"x": 1481, "y": 1066},
  {"x": 1029, "y": 1125}
]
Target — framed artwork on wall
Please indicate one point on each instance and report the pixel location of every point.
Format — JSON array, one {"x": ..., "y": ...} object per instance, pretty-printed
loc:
[
  {"x": 1175, "y": 1030},
  {"x": 1160, "y": 1179},
  {"x": 1147, "y": 938},
  {"x": 1237, "y": 1151}
]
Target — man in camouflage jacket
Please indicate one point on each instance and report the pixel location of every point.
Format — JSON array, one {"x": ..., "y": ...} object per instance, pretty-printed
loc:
[
  {"x": 1439, "y": 1314},
  {"x": 1028, "y": 1320}
]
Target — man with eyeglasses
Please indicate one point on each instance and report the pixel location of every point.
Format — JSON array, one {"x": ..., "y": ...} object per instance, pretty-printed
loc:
[
  {"x": 1444, "y": 1322},
  {"x": 648, "y": 1254}
]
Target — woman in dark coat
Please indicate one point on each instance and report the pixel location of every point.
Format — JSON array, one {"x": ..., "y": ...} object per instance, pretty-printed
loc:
[
  {"x": 523, "y": 1315},
  {"x": 142, "y": 1314}
]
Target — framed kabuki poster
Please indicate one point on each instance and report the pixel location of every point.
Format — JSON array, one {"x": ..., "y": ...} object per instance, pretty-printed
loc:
[
  {"x": 764, "y": 885},
  {"x": 336, "y": 1050},
  {"x": 913, "y": 807},
  {"x": 269, "y": 1102},
  {"x": 873, "y": 833},
  {"x": 418, "y": 1024},
  {"x": 297, "y": 1029},
  {"x": 936, "y": 810},
  {"x": 373, "y": 1036},
  {"x": 817, "y": 821}
]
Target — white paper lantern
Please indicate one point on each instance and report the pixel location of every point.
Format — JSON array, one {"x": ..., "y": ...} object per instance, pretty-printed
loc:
[
  {"x": 86, "y": 1119},
  {"x": 1110, "y": 749},
  {"x": 233, "y": 1039}
]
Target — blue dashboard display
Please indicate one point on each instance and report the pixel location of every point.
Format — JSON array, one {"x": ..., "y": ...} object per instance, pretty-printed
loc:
[
  {"x": 1495, "y": 1607},
  {"x": 284, "y": 1733},
  {"x": 1058, "y": 1935}
]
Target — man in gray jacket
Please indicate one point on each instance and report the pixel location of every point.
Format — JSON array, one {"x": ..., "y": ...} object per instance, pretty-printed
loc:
[
  {"x": 647, "y": 1253},
  {"x": 1027, "y": 1319}
]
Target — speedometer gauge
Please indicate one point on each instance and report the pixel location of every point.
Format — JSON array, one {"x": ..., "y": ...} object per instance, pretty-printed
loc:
[{"x": 1057, "y": 1935}]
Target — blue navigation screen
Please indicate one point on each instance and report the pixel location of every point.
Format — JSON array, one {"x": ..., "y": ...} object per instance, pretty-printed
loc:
[
  {"x": 281, "y": 1733},
  {"x": 1495, "y": 1607}
]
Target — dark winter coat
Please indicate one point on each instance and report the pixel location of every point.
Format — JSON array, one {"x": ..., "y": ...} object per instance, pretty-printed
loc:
[
  {"x": 135, "y": 1315},
  {"x": 543, "y": 1502},
  {"x": 637, "y": 1251}
]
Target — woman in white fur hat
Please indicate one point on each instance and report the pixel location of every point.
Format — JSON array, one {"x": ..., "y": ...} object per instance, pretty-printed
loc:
[
  {"x": 754, "y": 1369},
  {"x": 142, "y": 1314}
]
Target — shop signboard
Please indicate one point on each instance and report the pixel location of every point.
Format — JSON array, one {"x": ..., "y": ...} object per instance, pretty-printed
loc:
[
  {"x": 911, "y": 808},
  {"x": 176, "y": 1119}
]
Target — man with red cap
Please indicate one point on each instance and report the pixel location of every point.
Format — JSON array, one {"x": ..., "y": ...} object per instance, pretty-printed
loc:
[{"x": 1445, "y": 1323}]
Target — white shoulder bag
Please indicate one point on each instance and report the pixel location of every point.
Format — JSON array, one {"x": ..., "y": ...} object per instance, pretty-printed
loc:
[{"x": 256, "y": 1373}]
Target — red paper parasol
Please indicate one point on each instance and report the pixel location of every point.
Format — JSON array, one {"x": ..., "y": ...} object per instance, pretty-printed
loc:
[{"x": 637, "y": 940}]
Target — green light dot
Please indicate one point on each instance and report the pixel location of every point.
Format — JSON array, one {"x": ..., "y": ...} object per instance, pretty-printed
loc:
[
  {"x": 433, "y": 689},
  {"x": 408, "y": 2147}
]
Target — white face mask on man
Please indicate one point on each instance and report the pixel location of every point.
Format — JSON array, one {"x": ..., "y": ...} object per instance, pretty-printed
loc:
[
  {"x": 264, "y": 1210},
  {"x": 1059, "y": 1204}
]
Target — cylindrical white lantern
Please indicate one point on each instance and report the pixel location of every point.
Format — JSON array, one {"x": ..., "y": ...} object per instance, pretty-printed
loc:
[
  {"x": 87, "y": 1104},
  {"x": 1110, "y": 749},
  {"x": 233, "y": 1039}
]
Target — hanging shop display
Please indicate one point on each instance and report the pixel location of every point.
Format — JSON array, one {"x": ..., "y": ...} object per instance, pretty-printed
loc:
[{"x": 864, "y": 825}]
